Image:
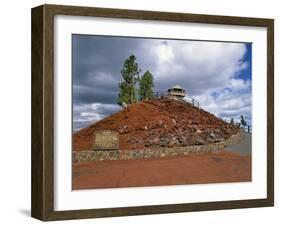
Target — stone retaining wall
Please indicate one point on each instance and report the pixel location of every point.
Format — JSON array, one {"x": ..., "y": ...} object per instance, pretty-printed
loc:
[{"x": 85, "y": 156}]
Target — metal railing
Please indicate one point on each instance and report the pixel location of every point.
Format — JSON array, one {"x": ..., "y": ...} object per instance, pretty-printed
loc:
[
  {"x": 246, "y": 128},
  {"x": 190, "y": 100}
]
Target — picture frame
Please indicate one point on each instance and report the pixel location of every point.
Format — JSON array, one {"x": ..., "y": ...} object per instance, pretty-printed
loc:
[{"x": 43, "y": 108}]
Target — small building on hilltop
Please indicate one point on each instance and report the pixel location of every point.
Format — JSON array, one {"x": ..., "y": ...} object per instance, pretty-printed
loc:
[{"x": 176, "y": 92}]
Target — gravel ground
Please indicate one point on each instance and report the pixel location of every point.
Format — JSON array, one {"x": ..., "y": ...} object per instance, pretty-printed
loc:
[{"x": 214, "y": 168}]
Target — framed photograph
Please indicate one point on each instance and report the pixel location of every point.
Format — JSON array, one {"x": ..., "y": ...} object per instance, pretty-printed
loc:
[{"x": 142, "y": 112}]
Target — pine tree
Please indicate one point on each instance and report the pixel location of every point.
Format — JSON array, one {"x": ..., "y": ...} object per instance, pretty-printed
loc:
[
  {"x": 130, "y": 75},
  {"x": 242, "y": 120},
  {"x": 146, "y": 86}
]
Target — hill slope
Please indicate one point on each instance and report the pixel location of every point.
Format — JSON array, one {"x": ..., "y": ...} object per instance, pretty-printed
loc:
[{"x": 163, "y": 122}]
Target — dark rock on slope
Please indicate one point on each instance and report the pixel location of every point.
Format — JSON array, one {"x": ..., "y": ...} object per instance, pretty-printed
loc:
[{"x": 159, "y": 122}]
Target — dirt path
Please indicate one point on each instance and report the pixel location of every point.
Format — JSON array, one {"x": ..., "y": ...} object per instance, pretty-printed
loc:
[
  {"x": 213, "y": 168},
  {"x": 244, "y": 147}
]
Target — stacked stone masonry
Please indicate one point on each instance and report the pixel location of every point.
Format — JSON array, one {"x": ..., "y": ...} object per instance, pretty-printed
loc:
[{"x": 96, "y": 155}]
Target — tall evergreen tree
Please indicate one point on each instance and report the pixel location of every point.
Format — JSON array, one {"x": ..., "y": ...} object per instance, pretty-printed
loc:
[
  {"x": 242, "y": 120},
  {"x": 146, "y": 86},
  {"x": 130, "y": 75}
]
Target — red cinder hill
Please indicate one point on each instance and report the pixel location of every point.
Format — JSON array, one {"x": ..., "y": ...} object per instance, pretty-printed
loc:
[{"x": 158, "y": 122}]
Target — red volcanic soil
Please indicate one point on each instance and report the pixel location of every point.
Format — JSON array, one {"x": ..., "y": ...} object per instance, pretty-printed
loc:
[
  {"x": 214, "y": 168},
  {"x": 158, "y": 122}
]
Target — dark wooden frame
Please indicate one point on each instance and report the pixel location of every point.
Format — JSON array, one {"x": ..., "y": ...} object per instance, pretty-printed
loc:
[{"x": 42, "y": 203}]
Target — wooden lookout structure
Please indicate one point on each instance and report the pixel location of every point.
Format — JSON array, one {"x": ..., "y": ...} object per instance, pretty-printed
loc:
[{"x": 176, "y": 92}]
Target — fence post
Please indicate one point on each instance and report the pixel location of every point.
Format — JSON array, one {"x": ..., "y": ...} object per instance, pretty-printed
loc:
[{"x": 248, "y": 129}]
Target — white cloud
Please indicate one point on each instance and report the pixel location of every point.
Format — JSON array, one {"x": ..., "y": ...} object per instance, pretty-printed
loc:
[
  {"x": 239, "y": 84},
  {"x": 196, "y": 65},
  {"x": 87, "y": 114},
  {"x": 207, "y": 70},
  {"x": 228, "y": 104},
  {"x": 104, "y": 79}
]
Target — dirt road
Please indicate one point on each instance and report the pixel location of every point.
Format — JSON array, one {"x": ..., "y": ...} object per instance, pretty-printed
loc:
[
  {"x": 244, "y": 147},
  {"x": 212, "y": 168}
]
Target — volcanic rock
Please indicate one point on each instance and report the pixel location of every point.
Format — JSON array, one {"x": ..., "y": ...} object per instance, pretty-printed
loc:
[{"x": 158, "y": 122}]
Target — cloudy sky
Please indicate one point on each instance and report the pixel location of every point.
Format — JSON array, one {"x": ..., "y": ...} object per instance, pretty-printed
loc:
[{"x": 217, "y": 74}]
